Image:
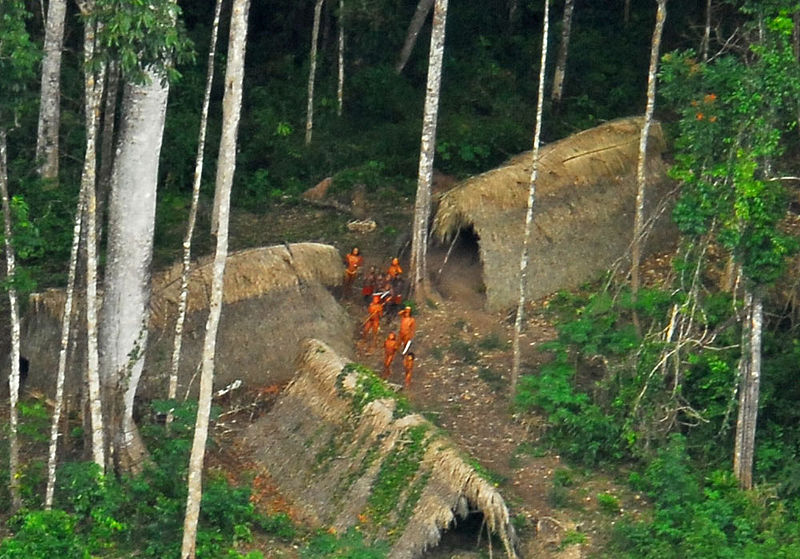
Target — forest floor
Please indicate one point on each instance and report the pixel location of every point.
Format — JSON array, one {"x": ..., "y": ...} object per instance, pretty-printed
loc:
[{"x": 461, "y": 383}]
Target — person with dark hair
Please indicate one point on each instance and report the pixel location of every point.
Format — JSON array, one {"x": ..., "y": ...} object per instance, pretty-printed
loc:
[
  {"x": 408, "y": 327},
  {"x": 373, "y": 322},
  {"x": 408, "y": 365},
  {"x": 353, "y": 262}
]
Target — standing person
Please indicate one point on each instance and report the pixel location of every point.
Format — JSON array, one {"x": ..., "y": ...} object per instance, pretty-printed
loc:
[
  {"x": 395, "y": 271},
  {"x": 408, "y": 327},
  {"x": 408, "y": 365},
  {"x": 372, "y": 322},
  {"x": 353, "y": 262},
  {"x": 390, "y": 347}
]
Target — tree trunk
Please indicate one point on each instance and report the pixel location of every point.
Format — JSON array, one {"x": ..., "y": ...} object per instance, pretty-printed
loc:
[
  {"x": 422, "y": 205},
  {"x": 62, "y": 355},
  {"x": 641, "y": 168},
  {"x": 131, "y": 223},
  {"x": 187, "y": 239},
  {"x": 107, "y": 137},
  {"x": 523, "y": 261},
  {"x": 750, "y": 369},
  {"x": 414, "y": 27},
  {"x": 704, "y": 46},
  {"x": 93, "y": 93},
  {"x": 312, "y": 71},
  {"x": 50, "y": 100},
  {"x": 340, "y": 87},
  {"x": 13, "y": 377},
  {"x": 226, "y": 165},
  {"x": 561, "y": 61}
]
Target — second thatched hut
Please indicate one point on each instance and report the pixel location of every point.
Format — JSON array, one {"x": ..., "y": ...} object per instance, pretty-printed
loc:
[{"x": 583, "y": 214}]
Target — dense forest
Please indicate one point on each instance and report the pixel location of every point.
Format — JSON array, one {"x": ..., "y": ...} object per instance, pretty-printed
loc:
[{"x": 682, "y": 390}]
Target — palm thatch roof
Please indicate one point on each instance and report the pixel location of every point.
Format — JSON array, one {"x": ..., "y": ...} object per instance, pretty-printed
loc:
[
  {"x": 274, "y": 297},
  {"x": 347, "y": 452},
  {"x": 583, "y": 213}
]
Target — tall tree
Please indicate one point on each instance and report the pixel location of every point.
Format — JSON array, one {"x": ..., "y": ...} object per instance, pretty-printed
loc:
[
  {"x": 226, "y": 166},
  {"x": 50, "y": 100},
  {"x": 312, "y": 70},
  {"x": 641, "y": 167},
  {"x": 131, "y": 212},
  {"x": 17, "y": 57},
  {"x": 526, "y": 240},
  {"x": 561, "y": 59},
  {"x": 422, "y": 203},
  {"x": 414, "y": 27},
  {"x": 187, "y": 239},
  {"x": 93, "y": 94}
]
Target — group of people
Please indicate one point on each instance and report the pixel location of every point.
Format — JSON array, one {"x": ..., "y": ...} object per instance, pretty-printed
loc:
[{"x": 384, "y": 293}]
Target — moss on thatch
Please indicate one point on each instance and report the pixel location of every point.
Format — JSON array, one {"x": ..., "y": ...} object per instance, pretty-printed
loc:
[
  {"x": 583, "y": 214},
  {"x": 348, "y": 454}
]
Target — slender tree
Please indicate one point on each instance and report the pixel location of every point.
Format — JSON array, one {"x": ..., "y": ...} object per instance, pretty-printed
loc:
[
  {"x": 422, "y": 204},
  {"x": 414, "y": 27},
  {"x": 17, "y": 58},
  {"x": 93, "y": 94},
  {"x": 526, "y": 240},
  {"x": 187, "y": 238},
  {"x": 50, "y": 100},
  {"x": 13, "y": 377},
  {"x": 340, "y": 82},
  {"x": 226, "y": 165},
  {"x": 704, "y": 45},
  {"x": 62, "y": 354},
  {"x": 561, "y": 60},
  {"x": 312, "y": 70},
  {"x": 641, "y": 167}
]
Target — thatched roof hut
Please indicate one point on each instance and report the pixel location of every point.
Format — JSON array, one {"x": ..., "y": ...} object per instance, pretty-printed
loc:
[
  {"x": 347, "y": 452},
  {"x": 583, "y": 213},
  {"x": 274, "y": 297}
]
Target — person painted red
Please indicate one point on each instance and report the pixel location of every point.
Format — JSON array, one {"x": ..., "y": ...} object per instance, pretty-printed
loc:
[
  {"x": 373, "y": 321},
  {"x": 390, "y": 347},
  {"x": 395, "y": 271},
  {"x": 408, "y": 328},
  {"x": 353, "y": 262}
]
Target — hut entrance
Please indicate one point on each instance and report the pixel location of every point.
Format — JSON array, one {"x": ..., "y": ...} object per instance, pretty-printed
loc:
[
  {"x": 465, "y": 537},
  {"x": 461, "y": 277}
]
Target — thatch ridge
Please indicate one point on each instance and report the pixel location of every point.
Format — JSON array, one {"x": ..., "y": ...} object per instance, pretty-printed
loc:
[
  {"x": 248, "y": 273},
  {"x": 338, "y": 453},
  {"x": 581, "y": 160}
]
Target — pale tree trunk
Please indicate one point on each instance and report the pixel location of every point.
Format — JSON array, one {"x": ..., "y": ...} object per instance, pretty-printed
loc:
[
  {"x": 704, "y": 46},
  {"x": 187, "y": 239},
  {"x": 422, "y": 205},
  {"x": 414, "y": 27},
  {"x": 750, "y": 369},
  {"x": 13, "y": 377},
  {"x": 312, "y": 70},
  {"x": 62, "y": 355},
  {"x": 340, "y": 87},
  {"x": 50, "y": 100},
  {"x": 641, "y": 167},
  {"x": 226, "y": 165},
  {"x": 561, "y": 60},
  {"x": 131, "y": 223},
  {"x": 626, "y": 16},
  {"x": 526, "y": 239},
  {"x": 93, "y": 86}
]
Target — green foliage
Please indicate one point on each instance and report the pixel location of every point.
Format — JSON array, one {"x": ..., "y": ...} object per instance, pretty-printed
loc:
[
  {"x": 350, "y": 545},
  {"x": 18, "y": 58},
  {"x": 44, "y": 535},
  {"x": 397, "y": 471},
  {"x": 369, "y": 387},
  {"x": 608, "y": 503},
  {"x": 141, "y": 36}
]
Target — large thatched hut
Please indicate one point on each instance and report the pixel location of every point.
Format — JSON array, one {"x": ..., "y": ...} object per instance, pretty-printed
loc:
[
  {"x": 583, "y": 213},
  {"x": 349, "y": 453},
  {"x": 274, "y": 297}
]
